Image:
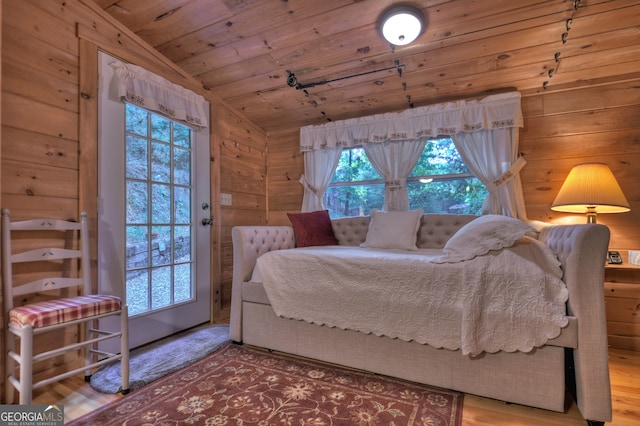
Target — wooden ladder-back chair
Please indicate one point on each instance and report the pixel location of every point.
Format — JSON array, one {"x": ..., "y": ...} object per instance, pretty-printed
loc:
[{"x": 53, "y": 268}]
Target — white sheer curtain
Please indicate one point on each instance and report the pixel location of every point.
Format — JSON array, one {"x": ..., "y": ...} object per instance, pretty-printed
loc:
[
  {"x": 148, "y": 90},
  {"x": 319, "y": 167},
  {"x": 469, "y": 123},
  {"x": 394, "y": 161},
  {"x": 492, "y": 156}
]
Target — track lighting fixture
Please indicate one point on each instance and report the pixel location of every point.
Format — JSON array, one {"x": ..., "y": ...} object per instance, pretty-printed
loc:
[{"x": 292, "y": 81}]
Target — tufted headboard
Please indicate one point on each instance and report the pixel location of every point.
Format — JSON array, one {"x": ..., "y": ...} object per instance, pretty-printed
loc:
[{"x": 434, "y": 231}]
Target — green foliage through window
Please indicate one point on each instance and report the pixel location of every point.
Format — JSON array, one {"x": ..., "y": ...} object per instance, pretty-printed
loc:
[
  {"x": 159, "y": 262},
  {"x": 439, "y": 183}
]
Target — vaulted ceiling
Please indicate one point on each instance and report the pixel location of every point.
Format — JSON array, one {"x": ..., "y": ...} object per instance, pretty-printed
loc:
[{"x": 244, "y": 51}]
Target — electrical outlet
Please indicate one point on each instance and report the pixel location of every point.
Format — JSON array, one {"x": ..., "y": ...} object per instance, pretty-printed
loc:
[{"x": 225, "y": 199}]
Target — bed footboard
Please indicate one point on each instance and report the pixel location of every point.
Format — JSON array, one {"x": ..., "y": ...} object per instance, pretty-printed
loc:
[
  {"x": 582, "y": 249},
  {"x": 249, "y": 242}
]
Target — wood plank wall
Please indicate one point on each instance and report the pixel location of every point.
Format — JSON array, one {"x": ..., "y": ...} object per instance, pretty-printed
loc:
[
  {"x": 48, "y": 147},
  {"x": 243, "y": 175},
  {"x": 591, "y": 123},
  {"x": 598, "y": 122}
]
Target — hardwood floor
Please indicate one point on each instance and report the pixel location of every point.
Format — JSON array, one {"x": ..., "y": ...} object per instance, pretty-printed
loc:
[
  {"x": 624, "y": 369},
  {"x": 79, "y": 398}
]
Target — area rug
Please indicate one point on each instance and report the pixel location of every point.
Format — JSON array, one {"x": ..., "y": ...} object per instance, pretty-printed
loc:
[
  {"x": 155, "y": 360},
  {"x": 249, "y": 386}
]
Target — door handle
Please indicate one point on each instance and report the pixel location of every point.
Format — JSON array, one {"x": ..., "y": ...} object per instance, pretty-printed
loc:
[{"x": 207, "y": 221}]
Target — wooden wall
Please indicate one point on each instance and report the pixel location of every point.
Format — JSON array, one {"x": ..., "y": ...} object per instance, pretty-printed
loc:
[
  {"x": 590, "y": 123},
  {"x": 285, "y": 165},
  {"x": 563, "y": 127},
  {"x": 243, "y": 175},
  {"x": 49, "y": 128}
]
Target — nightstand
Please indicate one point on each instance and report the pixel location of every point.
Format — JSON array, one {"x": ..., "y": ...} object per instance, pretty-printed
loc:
[{"x": 622, "y": 299}]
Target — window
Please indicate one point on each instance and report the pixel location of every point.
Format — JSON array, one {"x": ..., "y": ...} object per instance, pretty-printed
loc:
[
  {"x": 439, "y": 183},
  {"x": 159, "y": 215}
]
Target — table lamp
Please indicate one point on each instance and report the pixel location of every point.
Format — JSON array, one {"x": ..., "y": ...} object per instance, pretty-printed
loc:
[{"x": 590, "y": 188}]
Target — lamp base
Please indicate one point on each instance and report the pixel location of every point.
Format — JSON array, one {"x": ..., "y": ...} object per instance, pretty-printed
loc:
[{"x": 591, "y": 215}]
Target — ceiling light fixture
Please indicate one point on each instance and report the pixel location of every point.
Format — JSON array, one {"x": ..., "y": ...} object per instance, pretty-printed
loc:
[{"x": 401, "y": 24}]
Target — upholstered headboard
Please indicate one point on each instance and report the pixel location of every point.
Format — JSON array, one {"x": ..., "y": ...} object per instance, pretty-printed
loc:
[{"x": 434, "y": 231}]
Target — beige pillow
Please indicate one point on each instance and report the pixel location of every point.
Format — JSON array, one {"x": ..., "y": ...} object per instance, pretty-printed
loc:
[{"x": 393, "y": 230}]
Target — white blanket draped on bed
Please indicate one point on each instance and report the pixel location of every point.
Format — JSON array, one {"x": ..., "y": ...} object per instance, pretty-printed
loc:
[{"x": 510, "y": 300}]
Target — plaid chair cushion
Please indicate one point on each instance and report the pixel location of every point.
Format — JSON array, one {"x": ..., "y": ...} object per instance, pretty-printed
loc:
[{"x": 43, "y": 314}]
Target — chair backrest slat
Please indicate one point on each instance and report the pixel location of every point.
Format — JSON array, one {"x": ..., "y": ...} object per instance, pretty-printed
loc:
[
  {"x": 45, "y": 254},
  {"x": 46, "y": 284},
  {"x": 45, "y": 225}
]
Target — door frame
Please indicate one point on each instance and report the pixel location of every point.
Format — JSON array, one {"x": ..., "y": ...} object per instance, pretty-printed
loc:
[{"x": 155, "y": 325}]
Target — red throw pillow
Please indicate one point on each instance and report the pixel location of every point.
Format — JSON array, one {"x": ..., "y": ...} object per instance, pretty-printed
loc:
[{"x": 312, "y": 229}]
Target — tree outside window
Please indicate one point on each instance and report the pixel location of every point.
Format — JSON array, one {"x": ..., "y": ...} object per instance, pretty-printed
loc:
[{"x": 439, "y": 183}]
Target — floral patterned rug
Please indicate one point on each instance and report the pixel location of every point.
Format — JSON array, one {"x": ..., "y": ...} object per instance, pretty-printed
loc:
[{"x": 249, "y": 386}]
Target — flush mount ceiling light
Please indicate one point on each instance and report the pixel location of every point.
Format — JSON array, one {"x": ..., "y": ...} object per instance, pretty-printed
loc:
[{"x": 401, "y": 24}]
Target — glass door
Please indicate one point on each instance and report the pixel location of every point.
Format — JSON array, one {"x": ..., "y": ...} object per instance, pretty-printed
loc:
[{"x": 153, "y": 230}]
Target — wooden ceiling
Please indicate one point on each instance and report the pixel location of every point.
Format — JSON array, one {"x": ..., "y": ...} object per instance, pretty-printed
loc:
[{"x": 241, "y": 51}]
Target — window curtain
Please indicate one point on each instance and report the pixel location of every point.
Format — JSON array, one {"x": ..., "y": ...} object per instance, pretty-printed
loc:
[
  {"x": 492, "y": 155},
  {"x": 319, "y": 167},
  {"x": 394, "y": 161},
  {"x": 148, "y": 90},
  {"x": 496, "y": 116}
]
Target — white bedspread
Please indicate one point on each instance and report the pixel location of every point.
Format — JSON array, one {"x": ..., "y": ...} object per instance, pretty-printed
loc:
[{"x": 509, "y": 300}]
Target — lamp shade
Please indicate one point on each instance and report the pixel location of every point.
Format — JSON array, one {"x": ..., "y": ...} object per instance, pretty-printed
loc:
[
  {"x": 401, "y": 24},
  {"x": 590, "y": 188}
]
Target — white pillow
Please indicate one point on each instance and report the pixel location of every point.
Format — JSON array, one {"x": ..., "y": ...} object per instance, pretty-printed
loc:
[
  {"x": 484, "y": 234},
  {"x": 393, "y": 230}
]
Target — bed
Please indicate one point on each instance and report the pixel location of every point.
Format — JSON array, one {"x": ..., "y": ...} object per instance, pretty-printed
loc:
[{"x": 562, "y": 346}]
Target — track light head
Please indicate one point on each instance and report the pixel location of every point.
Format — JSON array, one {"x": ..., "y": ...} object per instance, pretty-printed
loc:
[{"x": 292, "y": 81}]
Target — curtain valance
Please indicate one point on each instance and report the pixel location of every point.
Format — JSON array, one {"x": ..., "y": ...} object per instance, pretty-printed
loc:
[
  {"x": 146, "y": 89},
  {"x": 432, "y": 121}
]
